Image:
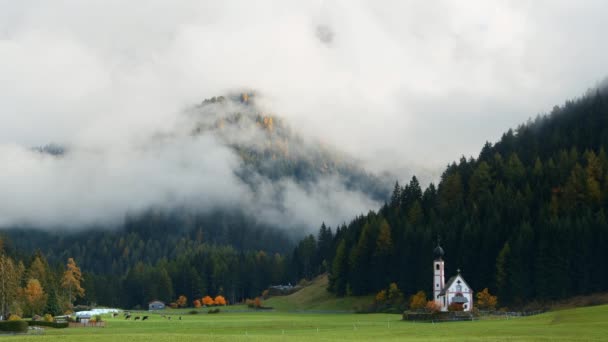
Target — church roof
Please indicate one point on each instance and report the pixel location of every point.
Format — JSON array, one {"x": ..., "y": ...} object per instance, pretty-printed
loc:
[{"x": 451, "y": 281}]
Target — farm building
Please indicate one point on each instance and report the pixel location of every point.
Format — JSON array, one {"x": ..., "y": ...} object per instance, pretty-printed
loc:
[{"x": 156, "y": 305}]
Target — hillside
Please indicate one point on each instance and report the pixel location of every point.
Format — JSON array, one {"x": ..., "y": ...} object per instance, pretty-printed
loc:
[
  {"x": 527, "y": 219},
  {"x": 315, "y": 297}
]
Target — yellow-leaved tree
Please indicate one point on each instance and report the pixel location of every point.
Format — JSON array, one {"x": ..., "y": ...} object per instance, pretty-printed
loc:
[
  {"x": 418, "y": 301},
  {"x": 71, "y": 281},
  {"x": 485, "y": 301},
  {"x": 34, "y": 296}
]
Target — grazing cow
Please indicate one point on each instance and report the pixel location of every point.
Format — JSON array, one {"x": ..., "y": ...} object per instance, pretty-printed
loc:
[
  {"x": 144, "y": 318},
  {"x": 127, "y": 316},
  {"x": 136, "y": 318},
  {"x": 114, "y": 315},
  {"x": 180, "y": 318}
]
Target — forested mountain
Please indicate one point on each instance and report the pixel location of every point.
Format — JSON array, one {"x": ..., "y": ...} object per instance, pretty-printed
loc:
[
  {"x": 526, "y": 218},
  {"x": 162, "y": 253}
]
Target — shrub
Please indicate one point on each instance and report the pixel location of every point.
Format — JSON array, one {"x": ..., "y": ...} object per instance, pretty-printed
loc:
[
  {"x": 48, "y": 318},
  {"x": 455, "y": 307},
  {"x": 192, "y": 312},
  {"x": 214, "y": 311},
  {"x": 418, "y": 301},
  {"x": 432, "y": 307},
  {"x": 47, "y": 324},
  {"x": 98, "y": 318},
  {"x": 13, "y": 326},
  {"x": 14, "y": 317}
]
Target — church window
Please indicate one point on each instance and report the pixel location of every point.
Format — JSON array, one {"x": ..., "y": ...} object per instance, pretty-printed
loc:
[{"x": 437, "y": 267}]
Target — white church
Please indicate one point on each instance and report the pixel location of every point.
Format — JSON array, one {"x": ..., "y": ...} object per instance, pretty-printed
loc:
[{"x": 456, "y": 290}]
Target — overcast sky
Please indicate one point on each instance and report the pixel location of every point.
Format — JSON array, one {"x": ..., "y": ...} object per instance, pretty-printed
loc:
[{"x": 402, "y": 85}]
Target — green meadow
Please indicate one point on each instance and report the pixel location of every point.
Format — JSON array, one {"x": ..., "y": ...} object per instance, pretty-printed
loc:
[{"x": 581, "y": 324}]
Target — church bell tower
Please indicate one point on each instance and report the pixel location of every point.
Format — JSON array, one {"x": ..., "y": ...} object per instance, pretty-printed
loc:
[{"x": 438, "y": 273}]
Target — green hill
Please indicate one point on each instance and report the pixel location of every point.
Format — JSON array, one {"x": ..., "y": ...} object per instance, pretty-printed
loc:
[{"x": 315, "y": 297}]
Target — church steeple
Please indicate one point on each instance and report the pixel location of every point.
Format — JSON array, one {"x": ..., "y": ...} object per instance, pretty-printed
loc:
[
  {"x": 438, "y": 251},
  {"x": 438, "y": 273}
]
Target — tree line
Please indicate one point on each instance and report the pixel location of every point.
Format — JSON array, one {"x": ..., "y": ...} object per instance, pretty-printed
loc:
[{"x": 526, "y": 218}]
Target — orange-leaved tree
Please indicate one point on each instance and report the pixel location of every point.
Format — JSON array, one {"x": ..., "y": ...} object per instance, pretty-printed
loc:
[
  {"x": 485, "y": 301},
  {"x": 208, "y": 301},
  {"x": 432, "y": 306},
  {"x": 219, "y": 300},
  {"x": 418, "y": 301},
  {"x": 182, "y": 301},
  {"x": 35, "y": 298},
  {"x": 381, "y": 297},
  {"x": 196, "y": 303}
]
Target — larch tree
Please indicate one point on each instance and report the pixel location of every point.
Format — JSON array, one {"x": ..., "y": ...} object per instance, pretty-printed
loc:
[
  {"x": 9, "y": 283},
  {"x": 34, "y": 297},
  {"x": 72, "y": 280}
]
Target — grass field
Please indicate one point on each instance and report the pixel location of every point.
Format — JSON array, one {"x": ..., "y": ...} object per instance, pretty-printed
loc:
[
  {"x": 315, "y": 297},
  {"x": 583, "y": 324}
]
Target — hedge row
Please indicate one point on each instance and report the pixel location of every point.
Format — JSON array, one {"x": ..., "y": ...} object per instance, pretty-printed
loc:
[
  {"x": 48, "y": 324},
  {"x": 13, "y": 326}
]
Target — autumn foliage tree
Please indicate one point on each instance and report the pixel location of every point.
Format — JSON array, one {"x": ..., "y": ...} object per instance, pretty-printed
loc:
[
  {"x": 219, "y": 300},
  {"x": 485, "y": 301},
  {"x": 418, "y": 301},
  {"x": 182, "y": 301},
  {"x": 208, "y": 301},
  {"x": 34, "y": 297},
  {"x": 9, "y": 283},
  {"x": 196, "y": 303},
  {"x": 381, "y": 297},
  {"x": 71, "y": 281}
]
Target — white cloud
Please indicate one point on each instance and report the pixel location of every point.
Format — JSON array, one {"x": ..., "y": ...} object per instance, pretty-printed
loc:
[{"x": 400, "y": 85}]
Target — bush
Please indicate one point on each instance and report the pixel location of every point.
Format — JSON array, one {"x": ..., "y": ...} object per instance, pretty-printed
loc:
[
  {"x": 192, "y": 312},
  {"x": 214, "y": 311},
  {"x": 47, "y": 324},
  {"x": 14, "y": 317},
  {"x": 48, "y": 318},
  {"x": 98, "y": 318},
  {"x": 13, "y": 326}
]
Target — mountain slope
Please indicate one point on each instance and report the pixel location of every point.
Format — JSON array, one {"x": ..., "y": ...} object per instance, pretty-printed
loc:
[{"x": 525, "y": 219}]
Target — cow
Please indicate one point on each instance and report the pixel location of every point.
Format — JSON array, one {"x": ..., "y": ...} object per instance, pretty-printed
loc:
[
  {"x": 114, "y": 315},
  {"x": 127, "y": 316},
  {"x": 144, "y": 318},
  {"x": 136, "y": 318}
]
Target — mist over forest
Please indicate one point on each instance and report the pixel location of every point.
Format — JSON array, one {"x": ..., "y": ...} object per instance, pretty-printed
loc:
[{"x": 217, "y": 148}]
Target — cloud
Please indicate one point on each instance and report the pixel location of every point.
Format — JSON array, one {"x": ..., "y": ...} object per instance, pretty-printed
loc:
[{"x": 402, "y": 86}]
